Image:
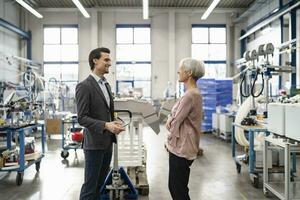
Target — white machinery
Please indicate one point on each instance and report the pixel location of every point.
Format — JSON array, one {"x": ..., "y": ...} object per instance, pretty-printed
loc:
[
  {"x": 143, "y": 108},
  {"x": 292, "y": 113},
  {"x": 131, "y": 147},
  {"x": 283, "y": 119},
  {"x": 216, "y": 124},
  {"x": 225, "y": 125},
  {"x": 130, "y": 151},
  {"x": 276, "y": 118},
  {"x": 222, "y": 125},
  {"x": 166, "y": 108},
  {"x": 284, "y": 128}
]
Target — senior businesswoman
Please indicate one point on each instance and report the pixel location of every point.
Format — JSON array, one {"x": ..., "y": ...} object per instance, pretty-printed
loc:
[{"x": 184, "y": 126}]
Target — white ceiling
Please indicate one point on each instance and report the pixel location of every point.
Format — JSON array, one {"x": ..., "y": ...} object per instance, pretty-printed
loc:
[{"x": 138, "y": 3}]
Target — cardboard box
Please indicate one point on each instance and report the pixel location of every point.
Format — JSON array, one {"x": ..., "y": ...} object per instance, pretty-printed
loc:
[
  {"x": 53, "y": 126},
  {"x": 32, "y": 156}
]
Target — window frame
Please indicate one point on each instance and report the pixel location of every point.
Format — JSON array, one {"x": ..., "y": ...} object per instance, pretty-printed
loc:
[
  {"x": 209, "y": 26},
  {"x": 61, "y": 63},
  {"x": 120, "y": 62}
]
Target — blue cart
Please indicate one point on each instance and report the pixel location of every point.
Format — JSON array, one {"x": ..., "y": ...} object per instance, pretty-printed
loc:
[
  {"x": 12, "y": 131},
  {"x": 67, "y": 143}
]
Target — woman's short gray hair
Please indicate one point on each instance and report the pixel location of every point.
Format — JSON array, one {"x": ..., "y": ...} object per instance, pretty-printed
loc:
[{"x": 195, "y": 66}]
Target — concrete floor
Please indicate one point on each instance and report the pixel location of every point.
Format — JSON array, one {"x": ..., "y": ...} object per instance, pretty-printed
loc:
[{"x": 213, "y": 176}]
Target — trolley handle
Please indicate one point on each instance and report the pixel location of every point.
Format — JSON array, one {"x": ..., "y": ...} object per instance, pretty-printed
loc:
[{"x": 124, "y": 111}]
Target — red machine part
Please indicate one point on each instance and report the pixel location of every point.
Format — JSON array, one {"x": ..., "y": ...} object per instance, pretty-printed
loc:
[{"x": 77, "y": 136}]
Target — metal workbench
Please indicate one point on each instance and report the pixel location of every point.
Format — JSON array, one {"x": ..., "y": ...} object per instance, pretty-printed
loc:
[
  {"x": 287, "y": 189},
  {"x": 253, "y": 171}
]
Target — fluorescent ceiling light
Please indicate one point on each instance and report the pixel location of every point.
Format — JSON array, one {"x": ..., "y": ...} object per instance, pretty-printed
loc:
[
  {"x": 81, "y": 8},
  {"x": 210, "y": 9},
  {"x": 29, "y": 8},
  {"x": 145, "y": 9}
]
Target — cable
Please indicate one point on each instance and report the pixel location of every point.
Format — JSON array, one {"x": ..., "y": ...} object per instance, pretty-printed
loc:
[
  {"x": 28, "y": 80},
  {"x": 241, "y": 87},
  {"x": 253, "y": 85}
]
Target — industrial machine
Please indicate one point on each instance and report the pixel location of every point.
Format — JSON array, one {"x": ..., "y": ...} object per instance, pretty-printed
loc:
[
  {"x": 252, "y": 113},
  {"x": 257, "y": 63},
  {"x": 19, "y": 115}
]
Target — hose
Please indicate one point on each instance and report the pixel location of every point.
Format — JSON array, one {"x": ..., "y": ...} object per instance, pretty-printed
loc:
[
  {"x": 241, "y": 87},
  {"x": 253, "y": 85}
]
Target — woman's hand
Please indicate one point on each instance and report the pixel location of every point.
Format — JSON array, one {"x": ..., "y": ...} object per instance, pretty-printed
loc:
[{"x": 168, "y": 123}]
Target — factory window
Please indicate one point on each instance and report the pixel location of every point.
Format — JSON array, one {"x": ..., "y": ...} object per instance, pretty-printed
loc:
[
  {"x": 61, "y": 57},
  {"x": 133, "y": 60},
  {"x": 209, "y": 45}
]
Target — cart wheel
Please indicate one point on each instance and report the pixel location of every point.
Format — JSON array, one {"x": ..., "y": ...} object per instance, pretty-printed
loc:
[
  {"x": 37, "y": 166},
  {"x": 292, "y": 176},
  {"x": 266, "y": 192},
  {"x": 144, "y": 191},
  {"x": 19, "y": 178},
  {"x": 238, "y": 168},
  {"x": 64, "y": 154},
  {"x": 255, "y": 182}
]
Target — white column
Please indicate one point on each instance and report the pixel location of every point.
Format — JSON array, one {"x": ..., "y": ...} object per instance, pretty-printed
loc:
[
  {"x": 85, "y": 40},
  {"x": 172, "y": 64},
  {"x": 108, "y": 40},
  {"x": 229, "y": 38},
  {"x": 298, "y": 50},
  {"x": 94, "y": 29}
]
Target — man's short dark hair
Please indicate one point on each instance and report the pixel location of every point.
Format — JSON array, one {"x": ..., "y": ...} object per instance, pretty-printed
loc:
[{"x": 96, "y": 54}]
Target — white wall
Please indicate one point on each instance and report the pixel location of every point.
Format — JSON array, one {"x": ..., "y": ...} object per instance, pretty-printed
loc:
[
  {"x": 267, "y": 7},
  {"x": 298, "y": 49},
  {"x": 272, "y": 34},
  {"x": 9, "y": 41},
  {"x": 268, "y": 34},
  {"x": 161, "y": 69},
  {"x": 170, "y": 37}
]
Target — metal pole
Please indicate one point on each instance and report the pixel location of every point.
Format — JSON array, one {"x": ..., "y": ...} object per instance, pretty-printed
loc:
[
  {"x": 116, "y": 164},
  {"x": 251, "y": 152},
  {"x": 22, "y": 149},
  {"x": 266, "y": 88},
  {"x": 43, "y": 137},
  {"x": 287, "y": 171},
  {"x": 233, "y": 141},
  {"x": 265, "y": 165}
]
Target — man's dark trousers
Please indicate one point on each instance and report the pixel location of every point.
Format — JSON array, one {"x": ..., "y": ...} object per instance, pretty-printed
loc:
[{"x": 96, "y": 161}]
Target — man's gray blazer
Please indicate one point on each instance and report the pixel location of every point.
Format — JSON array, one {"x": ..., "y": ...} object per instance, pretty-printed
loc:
[{"x": 93, "y": 112}]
